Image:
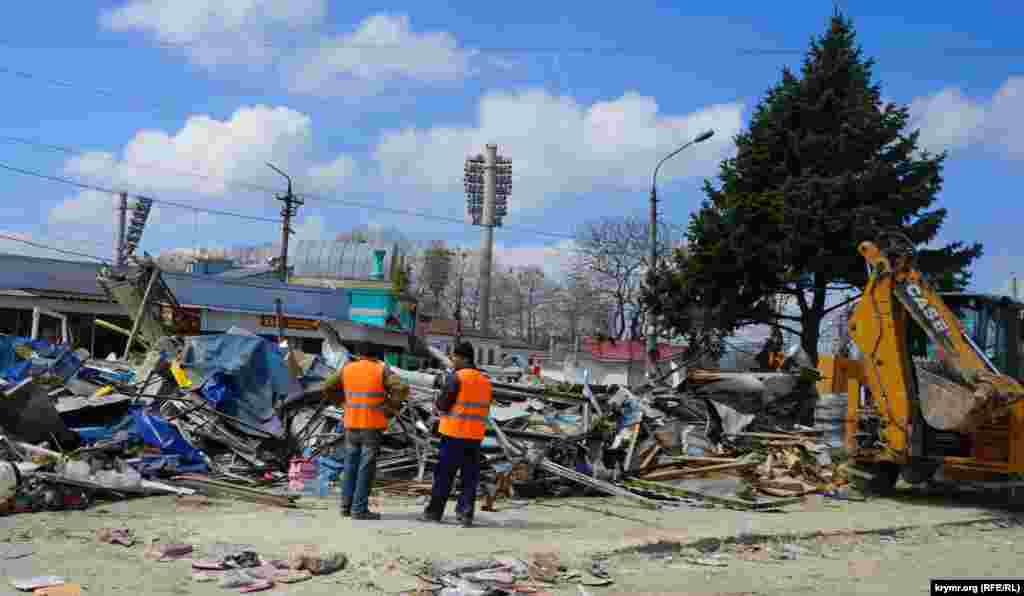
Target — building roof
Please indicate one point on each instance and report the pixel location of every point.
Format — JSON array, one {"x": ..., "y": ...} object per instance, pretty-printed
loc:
[
  {"x": 257, "y": 296},
  {"x": 77, "y": 280},
  {"x": 243, "y": 272},
  {"x": 625, "y": 351},
  {"x": 49, "y": 275}
]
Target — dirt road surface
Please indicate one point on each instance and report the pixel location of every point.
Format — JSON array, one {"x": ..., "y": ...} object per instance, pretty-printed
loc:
[{"x": 821, "y": 547}]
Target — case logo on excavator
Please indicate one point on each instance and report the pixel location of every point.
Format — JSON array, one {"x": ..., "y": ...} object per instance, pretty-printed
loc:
[{"x": 930, "y": 313}]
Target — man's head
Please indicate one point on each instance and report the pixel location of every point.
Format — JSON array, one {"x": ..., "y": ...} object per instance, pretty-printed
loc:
[
  {"x": 368, "y": 350},
  {"x": 463, "y": 354}
]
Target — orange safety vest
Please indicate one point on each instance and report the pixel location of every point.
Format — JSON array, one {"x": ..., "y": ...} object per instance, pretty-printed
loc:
[
  {"x": 363, "y": 381},
  {"x": 468, "y": 417}
]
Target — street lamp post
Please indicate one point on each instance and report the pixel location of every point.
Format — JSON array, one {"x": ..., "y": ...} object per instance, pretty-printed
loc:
[{"x": 652, "y": 338}]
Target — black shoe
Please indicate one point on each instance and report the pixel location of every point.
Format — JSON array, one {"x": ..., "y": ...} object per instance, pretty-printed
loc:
[
  {"x": 346, "y": 513},
  {"x": 430, "y": 519},
  {"x": 465, "y": 522},
  {"x": 366, "y": 515}
]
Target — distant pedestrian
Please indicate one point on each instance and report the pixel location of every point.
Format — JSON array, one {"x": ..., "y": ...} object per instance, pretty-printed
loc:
[
  {"x": 366, "y": 383},
  {"x": 464, "y": 405}
]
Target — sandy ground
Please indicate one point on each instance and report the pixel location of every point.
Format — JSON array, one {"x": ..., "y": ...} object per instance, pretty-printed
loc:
[{"x": 679, "y": 551}]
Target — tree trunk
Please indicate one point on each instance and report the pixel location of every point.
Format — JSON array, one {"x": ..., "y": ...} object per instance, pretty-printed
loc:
[
  {"x": 809, "y": 336},
  {"x": 620, "y": 317},
  {"x": 812, "y": 317}
]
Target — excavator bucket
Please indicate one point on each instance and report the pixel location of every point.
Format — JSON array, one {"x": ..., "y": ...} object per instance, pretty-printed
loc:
[
  {"x": 961, "y": 406},
  {"x": 946, "y": 404}
]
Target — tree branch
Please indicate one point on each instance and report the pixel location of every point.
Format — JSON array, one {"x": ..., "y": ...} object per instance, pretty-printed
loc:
[
  {"x": 776, "y": 325},
  {"x": 842, "y": 304}
]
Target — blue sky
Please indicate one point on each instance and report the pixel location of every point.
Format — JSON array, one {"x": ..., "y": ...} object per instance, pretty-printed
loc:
[{"x": 184, "y": 101}]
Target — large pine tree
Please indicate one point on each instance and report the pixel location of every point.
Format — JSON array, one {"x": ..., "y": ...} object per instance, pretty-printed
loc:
[{"x": 824, "y": 165}]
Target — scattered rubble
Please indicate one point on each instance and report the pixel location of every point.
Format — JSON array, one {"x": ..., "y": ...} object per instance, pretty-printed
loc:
[{"x": 237, "y": 416}]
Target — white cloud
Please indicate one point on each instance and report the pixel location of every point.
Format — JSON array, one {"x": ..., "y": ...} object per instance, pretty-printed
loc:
[
  {"x": 213, "y": 32},
  {"x": 558, "y": 145},
  {"x": 947, "y": 120},
  {"x": 42, "y": 245},
  {"x": 383, "y": 48},
  {"x": 288, "y": 38},
  {"x": 1004, "y": 123},
  {"x": 330, "y": 176},
  {"x": 207, "y": 157},
  {"x": 950, "y": 120}
]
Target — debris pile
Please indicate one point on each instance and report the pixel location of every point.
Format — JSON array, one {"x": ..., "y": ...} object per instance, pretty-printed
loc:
[
  {"x": 239, "y": 416},
  {"x": 235, "y": 415}
]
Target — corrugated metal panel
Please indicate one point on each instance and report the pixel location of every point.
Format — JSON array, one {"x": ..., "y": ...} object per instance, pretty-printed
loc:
[
  {"x": 246, "y": 272},
  {"x": 257, "y": 297},
  {"x": 34, "y": 273},
  {"x": 69, "y": 278}
]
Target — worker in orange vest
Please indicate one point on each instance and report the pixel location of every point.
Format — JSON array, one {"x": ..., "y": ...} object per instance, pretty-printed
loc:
[
  {"x": 365, "y": 383},
  {"x": 464, "y": 405}
]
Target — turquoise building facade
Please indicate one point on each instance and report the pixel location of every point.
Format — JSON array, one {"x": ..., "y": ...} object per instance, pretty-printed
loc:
[{"x": 375, "y": 301}]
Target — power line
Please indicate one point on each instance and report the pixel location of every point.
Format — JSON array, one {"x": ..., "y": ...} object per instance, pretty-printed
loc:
[
  {"x": 219, "y": 281},
  {"x": 55, "y": 249},
  {"x": 96, "y": 188},
  {"x": 470, "y": 47},
  {"x": 71, "y": 150}
]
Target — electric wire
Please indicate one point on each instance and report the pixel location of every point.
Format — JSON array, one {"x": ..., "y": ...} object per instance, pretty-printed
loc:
[
  {"x": 218, "y": 281},
  {"x": 71, "y": 150},
  {"x": 53, "y": 248},
  {"x": 97, "y": 188},
  {"x": 471, "y": 47}
]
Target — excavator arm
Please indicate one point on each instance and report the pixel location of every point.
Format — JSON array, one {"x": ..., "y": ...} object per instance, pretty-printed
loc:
[{"x": 966, "y": 392}]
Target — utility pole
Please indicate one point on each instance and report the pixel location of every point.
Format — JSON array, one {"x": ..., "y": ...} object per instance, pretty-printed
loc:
[
  {"x": 458, "y": 298},
  {"x": 291, "y": 207},
  {"x": 122, "y": 222},
  {"x": 279, "y": 319},
  {"x": 488, "y": 185}
]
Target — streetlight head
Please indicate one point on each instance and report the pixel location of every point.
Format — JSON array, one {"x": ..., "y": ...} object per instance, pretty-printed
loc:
[{"x": 707, "y": 134}]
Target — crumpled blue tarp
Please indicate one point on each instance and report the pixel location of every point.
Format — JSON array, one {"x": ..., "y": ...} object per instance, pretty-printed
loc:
[
  {"x": 219, "y": 389},
  {"x": 158, "y": 432},
  {"x": 7, "y": 356},
  {"x": 16, "y": 372},
  {"x": 157, "y": 465},
  {"x": 58, "y": 360},
  {"x": 317, "y": 372},
  {"x": 105, "y": 377},
  {"x": 255, "y": 365}
]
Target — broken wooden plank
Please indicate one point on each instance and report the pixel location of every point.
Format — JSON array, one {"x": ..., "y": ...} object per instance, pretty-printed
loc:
[
  {"x": 683, "y": 473},
  {"x": 727, "y": 501},
  {"x": 649, "y": 458},
  {"x": 793, "y": 436},
  {"x": 240, "y": 492}
]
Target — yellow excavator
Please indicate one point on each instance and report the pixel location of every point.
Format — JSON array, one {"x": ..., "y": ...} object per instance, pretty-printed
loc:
[{"x": 942, "y": 393}]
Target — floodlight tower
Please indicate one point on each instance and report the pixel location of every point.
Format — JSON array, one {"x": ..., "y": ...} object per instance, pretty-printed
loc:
[{"x": 488, "y": 182}]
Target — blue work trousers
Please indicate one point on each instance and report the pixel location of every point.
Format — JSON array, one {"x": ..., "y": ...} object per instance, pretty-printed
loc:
[
  {"x": 457, "y": 455},
  {"x": 362, "y": 446}
]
